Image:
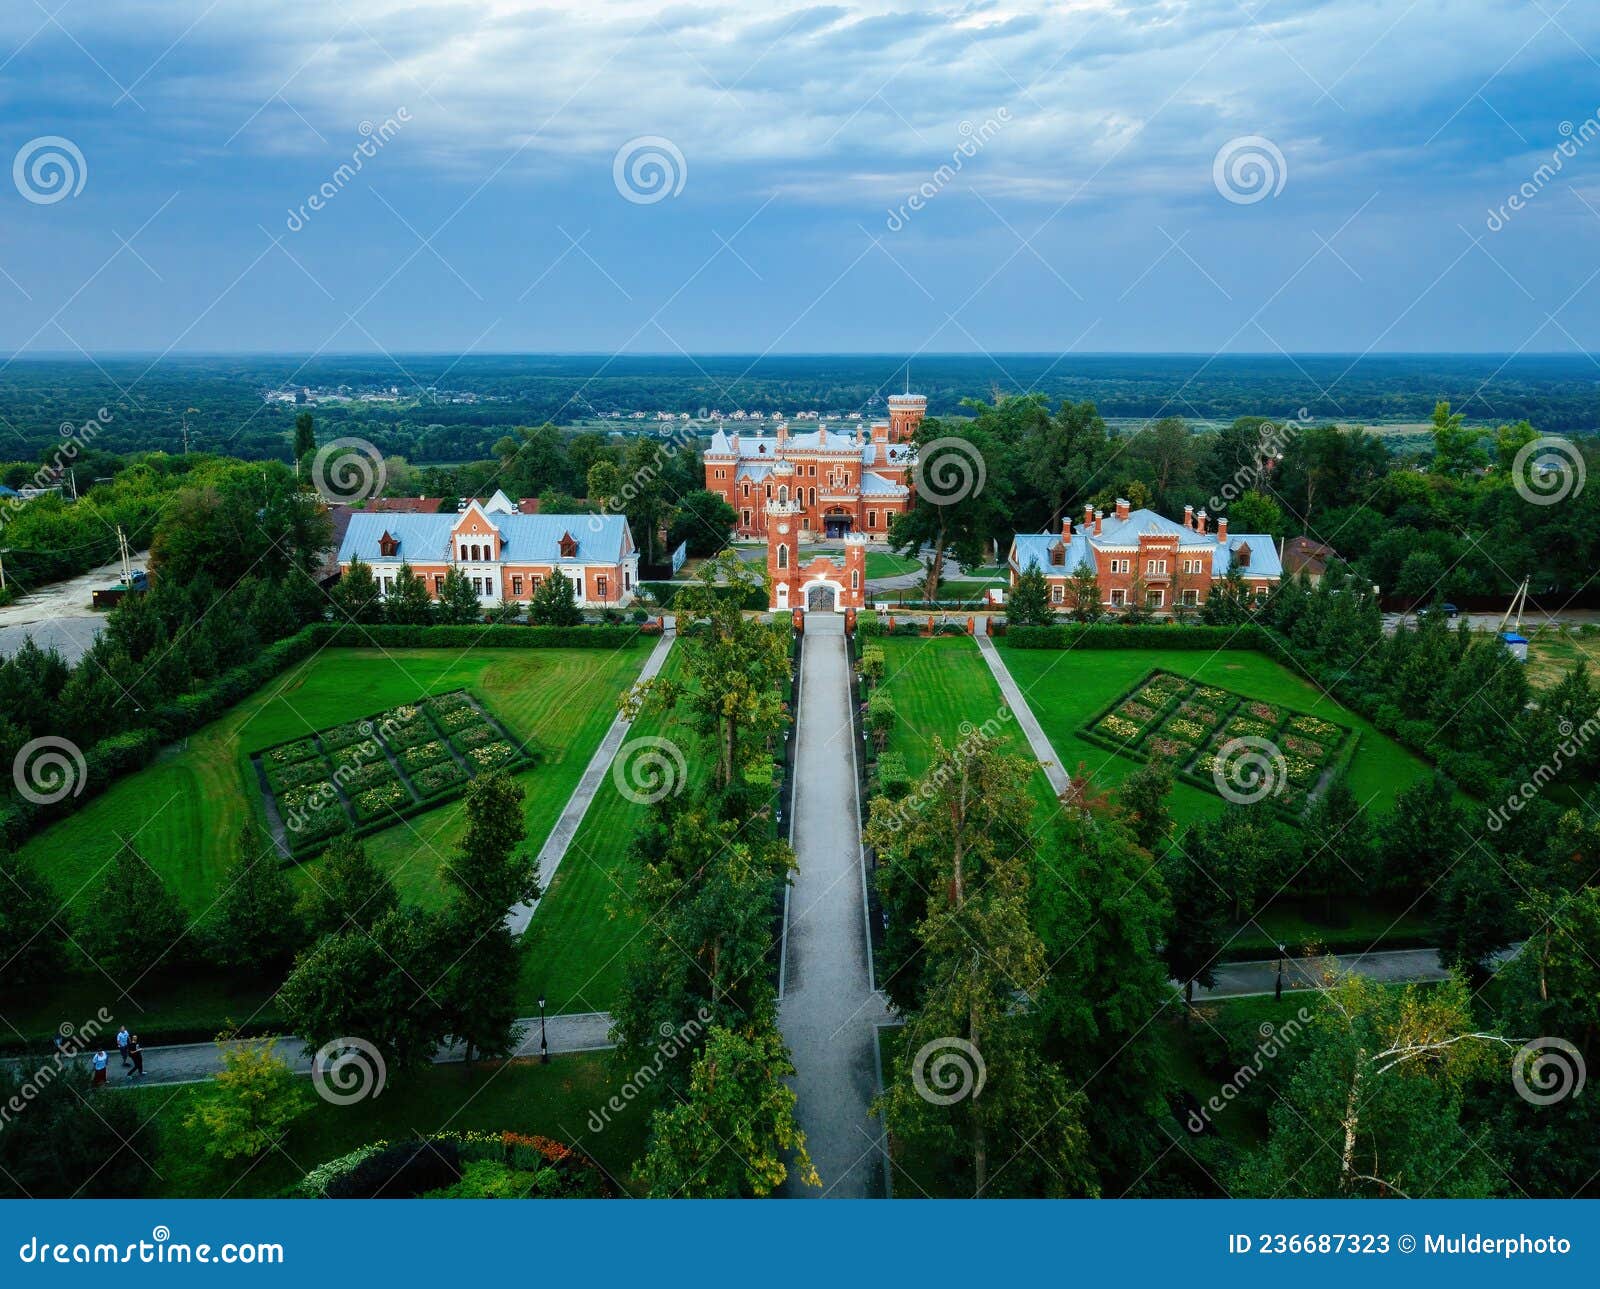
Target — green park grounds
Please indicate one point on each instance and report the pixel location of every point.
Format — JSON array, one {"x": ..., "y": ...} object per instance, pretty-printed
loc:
[
  {"x": 185, "y": 813},
  {"x": 938, "y": 683}
]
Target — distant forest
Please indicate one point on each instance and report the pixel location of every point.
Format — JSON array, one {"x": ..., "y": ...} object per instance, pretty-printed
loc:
[{"x": 222, "y": 397}]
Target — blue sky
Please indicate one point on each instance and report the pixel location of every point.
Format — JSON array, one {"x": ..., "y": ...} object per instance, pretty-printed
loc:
[{"x": 1088, "y": 211}]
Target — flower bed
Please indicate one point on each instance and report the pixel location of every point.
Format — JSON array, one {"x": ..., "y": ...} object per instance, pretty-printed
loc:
[
  {"x": 376, "y": 801},
  {"x": 289, "y": 753},
  {"x": 414, "y": 758},
  {"x": 1167, "y": 717},
  {"x": 304, "y": 784},
  {"x": 439, "y": 777}
]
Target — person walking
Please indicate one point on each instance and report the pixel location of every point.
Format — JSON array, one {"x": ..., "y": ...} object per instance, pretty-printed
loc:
[
  {"x": 122, "y": 1045},
  {"x": 137, "y": 1052},
  {"x": 100, "y": 1063}
]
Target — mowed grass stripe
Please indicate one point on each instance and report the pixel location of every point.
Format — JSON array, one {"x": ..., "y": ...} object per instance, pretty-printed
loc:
[
  {"x": 576, "y": 948},
  {"x": 939, "y": 683}
]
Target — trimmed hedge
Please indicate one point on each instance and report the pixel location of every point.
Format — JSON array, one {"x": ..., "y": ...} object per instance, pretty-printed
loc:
[
  {"x": 664, "y": 593},
  {"x": 1145, "y": 635},
  {"x": 480, "y": 637}
]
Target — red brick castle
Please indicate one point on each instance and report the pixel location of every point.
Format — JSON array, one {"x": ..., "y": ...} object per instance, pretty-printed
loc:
[{"x": 842, "y": 482}]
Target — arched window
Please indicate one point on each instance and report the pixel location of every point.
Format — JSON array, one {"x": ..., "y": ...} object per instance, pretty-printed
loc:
[
  {"x": 855, "y": 579},
  {"x": 783, "y": 557},
  {"x": 813, "y": 496},
  {"x": 783, "y": 493}
]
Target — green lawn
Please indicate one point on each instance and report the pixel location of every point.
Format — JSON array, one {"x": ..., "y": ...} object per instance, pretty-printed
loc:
[
  {"x": 523, "y": 1096},
  {"x": 1065, "y": 688},
  {"x": 886, "y": 564},
  {"x": 574, "y": 950},
  {"x": 939, "y": 683},
  {"x": 1553, "y": 650},
  {"x": 184, "y": 812}
]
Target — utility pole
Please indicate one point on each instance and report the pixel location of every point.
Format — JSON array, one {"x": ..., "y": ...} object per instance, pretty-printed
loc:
[{"x": 127, "y": 565}]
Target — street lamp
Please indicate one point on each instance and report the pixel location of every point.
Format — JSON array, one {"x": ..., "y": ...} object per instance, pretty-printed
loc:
[
  {"x": 1277, "y": 993},
  {"x": 544, "y": 1045}
]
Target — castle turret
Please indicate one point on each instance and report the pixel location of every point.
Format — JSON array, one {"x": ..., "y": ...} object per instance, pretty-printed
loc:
[{"x": 905, "y": 414}]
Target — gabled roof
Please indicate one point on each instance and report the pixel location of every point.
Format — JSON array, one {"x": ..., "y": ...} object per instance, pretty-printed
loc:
[
  {"x": 533, "y": 539},
  {"x": 1035, "y": 548},
  {"x": 875, "y": 485}
]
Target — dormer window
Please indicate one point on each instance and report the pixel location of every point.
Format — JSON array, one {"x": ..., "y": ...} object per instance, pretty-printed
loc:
[
  {"x": 1241, "y": 555},
  {"x": 569, "y": 546},
  {"x": 1058, "y": 555},
  {"x": 388, "y": 545}
]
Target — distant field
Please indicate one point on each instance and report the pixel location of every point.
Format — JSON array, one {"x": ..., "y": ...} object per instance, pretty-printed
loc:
[
  {"x": 185, "y": 812},
  {"x": 1065, "y": 688}
]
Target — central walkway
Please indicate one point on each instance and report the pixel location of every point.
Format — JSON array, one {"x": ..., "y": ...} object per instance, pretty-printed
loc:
[{"x": 829, "y": 1010}]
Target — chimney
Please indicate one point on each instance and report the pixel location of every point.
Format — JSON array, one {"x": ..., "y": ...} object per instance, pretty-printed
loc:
[
  {"x": 1222, "y": 529},
  {"x": 1200, "y": 522},
  {"x": 1066, "y": 530},
  {"x": 1122, "y": 507},
  {"x": 783, "y": 435},
  {"x": 1088, "y": 515},
  {"x": 1098, "y": 517},
  {"x": 1188, "y": 516},
  {"x": 734, "y": 443}
]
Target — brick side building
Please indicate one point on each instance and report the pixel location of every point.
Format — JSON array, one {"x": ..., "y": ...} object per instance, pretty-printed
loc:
[
  {"x": 843, "y": 481},
  {"x": 1175, "y": 562},
  {"x": 503, "y": 551}
]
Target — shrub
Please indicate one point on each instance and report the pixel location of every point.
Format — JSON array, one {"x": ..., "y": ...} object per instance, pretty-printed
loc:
[
  {"x": 291, "y": 753},
  {"x": 298, "y": 775},
  {"x": 376, "y": 801}
]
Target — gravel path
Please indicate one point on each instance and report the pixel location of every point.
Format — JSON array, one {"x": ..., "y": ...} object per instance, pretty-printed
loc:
[{"x": 830, "y": 1009}]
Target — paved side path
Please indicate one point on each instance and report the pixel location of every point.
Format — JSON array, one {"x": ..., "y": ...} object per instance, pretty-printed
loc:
[
  {"x": 829, "y": 1009},
  {"x": 1389, "y": 966},
  {"x": 196, "y": 1062},
  {"x": 555, "y": 845},
  {"x": 1042, "y": 751}
]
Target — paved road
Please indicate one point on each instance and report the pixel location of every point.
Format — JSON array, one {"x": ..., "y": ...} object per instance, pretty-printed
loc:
[
  {"x": 1009, "y": 690},
  {"x": 195, "y": 1062},
  {"x": 830, "y": 1010},
  {"x": 555, "y": 845},
  {"x": 59, "y": 615}
]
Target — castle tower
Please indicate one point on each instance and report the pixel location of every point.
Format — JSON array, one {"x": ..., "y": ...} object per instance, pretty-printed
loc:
[
  {"x": 783, "y": 554},
  {"x": 855, "y": 571},
  {"x": 905, "y": 414}
]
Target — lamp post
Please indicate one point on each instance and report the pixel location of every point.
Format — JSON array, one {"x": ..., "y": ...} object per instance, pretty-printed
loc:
[
  {"x": 1277, "y": 993},
  {"x": 544, "y": 1045}
]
